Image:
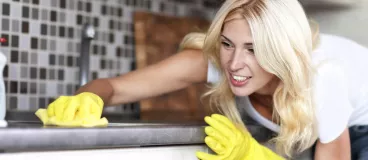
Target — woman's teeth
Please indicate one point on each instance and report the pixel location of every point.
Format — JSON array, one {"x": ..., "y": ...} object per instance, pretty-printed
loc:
[{"x": 240, "y": 78}]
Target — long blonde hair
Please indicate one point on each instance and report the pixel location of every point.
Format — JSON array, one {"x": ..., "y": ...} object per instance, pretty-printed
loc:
[{"x": 282, "y": 40}]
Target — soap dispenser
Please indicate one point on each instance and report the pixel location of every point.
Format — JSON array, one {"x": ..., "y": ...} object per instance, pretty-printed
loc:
[{"x": 2, "y": 91}]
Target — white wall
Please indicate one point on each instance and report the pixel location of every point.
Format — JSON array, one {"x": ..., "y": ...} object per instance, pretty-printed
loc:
[{"x": 348, "y": 22}]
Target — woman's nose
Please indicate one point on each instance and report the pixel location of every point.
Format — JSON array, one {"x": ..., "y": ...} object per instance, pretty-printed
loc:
[{"x": 237, "y": 61}]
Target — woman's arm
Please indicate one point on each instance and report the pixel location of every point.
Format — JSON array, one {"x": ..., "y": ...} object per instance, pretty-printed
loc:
[
  {"x": 174, "y": 73},
  {"x": 339, "y": 149}
]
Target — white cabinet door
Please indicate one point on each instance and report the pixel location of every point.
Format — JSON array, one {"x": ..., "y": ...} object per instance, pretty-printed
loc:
[{"x": 142, "y": 153}]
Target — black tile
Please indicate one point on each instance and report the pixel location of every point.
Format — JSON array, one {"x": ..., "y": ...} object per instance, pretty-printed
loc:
[
  {"x": 6, "y": 86},
  {"x": 94, "y": 75},
  {"x": 42, "y": 73},
  {"x": 120, "y": 12},
  {"x": 16, "y": 0},
  {"x": 13, "y": 102},
  {"x": 34, "y": 43},
  {"x": 111, "y": 11},
  {"x": 111, "y": 24},
  {"x": 95, "y": 49},
  {"x": 25, "y": 27},
  {"x": 33, "y": 87},
  {"x": 13, "y": 87},
  {"x": 6, "y": 9},
  {"x": 88, "y": 6},
  {"x": 69, "y": 61},
  {"x": 126, "y": 39},
  {"x": 79, "y": 19},
  {"x": 80, "y": 5},
  {"x": 14, "y": 56},
  {"x": 23, "y": 88},
  {"x": 15, "y": 41},
  {"x": 77, "y": 61},
  {"x": 43, "y": 29},
  {"x": 53, "y": 30},
  {"x": 33, "y": 71},
  {"x": 102, "y": 64},
  {"x": 6, "y": 37},
  {"x": 53, "y": 16},
  {"x": 60, "y": 74},
  {"x": 61, "y": 31},
  {"x": 25, "y": 12},
  {"x": 118, "y": 52},
  {"x": 51, "y": 100},
  {"x": 103, "y": 9},
  {"x": 95, "y": 22},
  {"x": 35, "y": 1},
  {"x": 42, "y": 102},
  {"x": 6, "y": 71},
  {"x": 148, "y": 4},
  {"x": 111, "y": 38},
  {"x": 62, "y": 4},
  {"x": 52, "y": 59},
  {"x": 103, "y": 50},
  {"x": 70, "y": 32},
  {"x": 162, "y": 6}
]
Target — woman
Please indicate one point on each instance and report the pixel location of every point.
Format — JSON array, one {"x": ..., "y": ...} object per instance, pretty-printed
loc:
[{"x": 260, "y": 53}]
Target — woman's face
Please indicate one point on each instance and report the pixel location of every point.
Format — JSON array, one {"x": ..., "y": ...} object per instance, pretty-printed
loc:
[{"x": 244, "y": 74}]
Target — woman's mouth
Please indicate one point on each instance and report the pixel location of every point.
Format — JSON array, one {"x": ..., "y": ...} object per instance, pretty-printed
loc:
[{"x": 239, "y": 81}]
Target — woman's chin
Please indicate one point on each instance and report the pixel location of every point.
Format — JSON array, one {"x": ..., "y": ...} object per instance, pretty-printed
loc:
[{"x": 240, "y": 92}]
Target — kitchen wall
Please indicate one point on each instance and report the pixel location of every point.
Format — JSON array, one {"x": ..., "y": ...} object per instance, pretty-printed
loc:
[
  {"x": 350, "y": 22},
  {"x": 44, "y": 40}
]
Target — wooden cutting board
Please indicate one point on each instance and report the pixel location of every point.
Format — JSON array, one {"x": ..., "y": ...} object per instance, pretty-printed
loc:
[{"x": 157, "y": 37}]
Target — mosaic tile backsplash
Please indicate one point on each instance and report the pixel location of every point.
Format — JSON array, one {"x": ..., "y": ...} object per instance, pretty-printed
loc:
[{"x": 43, "y": 41}]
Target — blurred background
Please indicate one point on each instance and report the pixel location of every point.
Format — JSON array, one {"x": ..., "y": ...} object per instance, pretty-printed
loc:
[{"x": 42, "y": 40}]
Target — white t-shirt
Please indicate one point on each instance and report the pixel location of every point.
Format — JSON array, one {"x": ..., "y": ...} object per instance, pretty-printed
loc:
[{"x": 340, "y": 87}]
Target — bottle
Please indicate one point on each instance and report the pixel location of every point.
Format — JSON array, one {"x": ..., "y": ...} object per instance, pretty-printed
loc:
[{"x": 2, "y": 91}]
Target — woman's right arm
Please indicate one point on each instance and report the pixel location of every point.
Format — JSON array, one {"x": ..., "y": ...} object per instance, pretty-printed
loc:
[{"x": 174, "y": 73}]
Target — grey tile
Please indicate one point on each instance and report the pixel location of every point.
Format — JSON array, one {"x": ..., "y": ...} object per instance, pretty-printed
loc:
[
  {"x": 34, "y": 58},
  {"x": 33, "y": 103},
  {"x": 26, "y": 1},
  {"x": 61, "y": 60},
  {"x": 24, "y": 72},
  {"x": 53, "y": 45},
  {"x": 15, "y": 25},
  {"x": 35, "y": 13},
  {"x": 70, "y": 46},
  {"x": 13, "y": 103},
  {"x": 42, "y": 88},
  {"x": 60, "y": 89},
  {"x": 53, "y": 30},
  {"x": 44, "y": 15},
  {"x": 69, "y": 89},
  {"x": 62, "y": 17},
  {"x": 54, "y": 3},
  {"x": 52, "y": 74},
  {"x": 24, "y": 57},
  {"x": 33, "y": 87},
  {"x": 71, "y": 4},
  {"x": 43, "y": 44},
  {"x": 5, "y": 24}
]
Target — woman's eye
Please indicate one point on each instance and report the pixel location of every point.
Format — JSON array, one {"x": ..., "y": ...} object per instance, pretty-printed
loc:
[
  {"x": 251, "y": 51},
  {"x": 226, "y": 45}
]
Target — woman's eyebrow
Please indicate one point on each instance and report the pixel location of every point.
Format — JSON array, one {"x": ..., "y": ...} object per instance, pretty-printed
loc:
[{"x": 248, "y": 44}]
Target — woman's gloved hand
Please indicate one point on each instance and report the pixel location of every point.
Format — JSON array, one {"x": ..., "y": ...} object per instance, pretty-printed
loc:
[
  {"x": 232, "y": 143},
  {"x": 84, "y": 109}
]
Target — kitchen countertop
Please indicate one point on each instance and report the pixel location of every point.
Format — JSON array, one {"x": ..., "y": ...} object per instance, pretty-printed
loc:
[{"x": 28, "y": 134}]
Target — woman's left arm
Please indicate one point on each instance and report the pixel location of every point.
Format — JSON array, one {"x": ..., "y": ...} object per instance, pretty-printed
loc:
[{"x": 338, "y": 149}]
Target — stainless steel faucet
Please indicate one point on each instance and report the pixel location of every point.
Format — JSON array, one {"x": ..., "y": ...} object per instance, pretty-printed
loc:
[{"x": 88, "y": 33}]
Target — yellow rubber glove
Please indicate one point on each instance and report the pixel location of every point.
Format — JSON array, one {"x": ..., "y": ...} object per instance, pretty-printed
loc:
[
  {"x": 82, "y": 110},
  {"x": 231, "y": 143}
]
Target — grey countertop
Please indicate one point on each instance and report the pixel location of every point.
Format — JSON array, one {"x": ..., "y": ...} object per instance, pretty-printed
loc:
[{"x": 20, "y": 136}]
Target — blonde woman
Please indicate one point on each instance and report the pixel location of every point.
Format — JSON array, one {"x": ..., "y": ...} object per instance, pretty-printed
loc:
[{"x": 260, "y": 53}]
